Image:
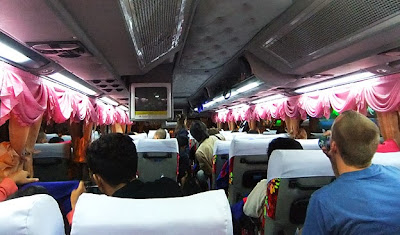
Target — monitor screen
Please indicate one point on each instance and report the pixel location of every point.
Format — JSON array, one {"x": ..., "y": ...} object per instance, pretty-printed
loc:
[{"x": 151, "y": 101}]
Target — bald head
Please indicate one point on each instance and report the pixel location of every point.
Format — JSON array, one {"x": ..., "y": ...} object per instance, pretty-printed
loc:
[{"x": 357, "y": 138}]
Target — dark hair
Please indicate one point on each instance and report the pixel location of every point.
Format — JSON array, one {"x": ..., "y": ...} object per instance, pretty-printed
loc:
[
  {"x": 199, "y": 131},
  {"x": 282, "y": 143},
  {"x": 180, "y": 122},
  {"x": 113, "y": 157}
]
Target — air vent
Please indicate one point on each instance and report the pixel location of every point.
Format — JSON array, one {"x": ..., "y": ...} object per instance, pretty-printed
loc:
[
  {"x": 64, "y": 49},
  {"x": 337, "y": 21},
  {"x": 156, "y": 27}
]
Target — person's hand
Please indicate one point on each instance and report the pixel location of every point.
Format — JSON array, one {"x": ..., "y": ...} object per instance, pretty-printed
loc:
[
  {"x": 76, "y": 193},
  {"x": 21, "y": 177}
]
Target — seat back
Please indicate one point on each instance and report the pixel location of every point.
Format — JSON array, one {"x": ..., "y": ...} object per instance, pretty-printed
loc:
[
  {"x": 33, "y": 215},
  {"x": 247, "y": 166},
  {"x": 221, "y": 155},
  {"x": 293, "y": 175},
  {"x": 203, "y": 213},
  {"x": 387, "y": 159},
  {"x": 138, "y": 136},
  {"x": 157, "y": 158},
  {"x": 51, "y": 161},
  {"x": 311, "y": 144}
]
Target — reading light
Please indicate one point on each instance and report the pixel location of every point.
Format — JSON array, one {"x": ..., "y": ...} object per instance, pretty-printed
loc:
[
  {"x": 71, "y": 83},
  {"x": 248, "y": 87},
  {"x": 123, "y": 108},
  {"x": 336, "y": 82},
  {"x": 239, "y": 106},
  {"x": 54, "y": 84},
  {"x": 206, "y": 105},
  {"x": 12, "y": 54},
  {"x": 222, "y": 110},
  {"x": 196, "y": 109},
  {"x": 108, "y": 101},
  {"x": 268, "y": 98}
]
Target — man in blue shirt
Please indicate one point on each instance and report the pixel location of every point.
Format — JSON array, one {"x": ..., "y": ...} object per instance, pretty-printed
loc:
[{"x": 365, "y": 198}]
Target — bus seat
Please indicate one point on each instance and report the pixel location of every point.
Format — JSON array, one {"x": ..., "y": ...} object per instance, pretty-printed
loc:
[
  {"x": 293, "y": 175},
  {"x": 157, "y": 158},
  {"x": 387, "y": 159},
  {"x": 33, "y": 215},
  {"x": 310, "y": 144},
  {"x": 49, "y": 136},
  {"x": 202, "y": 213},
  {"x": 66, "y": 137},
  {"x": 139, "y": 136},
  {"x": 151, "y": 133},
  {"x": 221, "y": 155},
  {"x": 230, "y": 135},
  {"x": 51, "y": 161},
  {"x": 247, "y": 166}
]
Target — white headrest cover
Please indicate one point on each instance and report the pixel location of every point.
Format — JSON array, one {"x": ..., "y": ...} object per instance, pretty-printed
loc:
[
  {"x": 221, "y": 147},
  {"x": 298, "y": 163},
  {"x": 245, "y": 147},
  {"x": 139, "y": 136},
  {"x": 160, "y": 145},
  {"x": 230, "y": 135},
  {"x": 253, "y": 136},
  {"x": 203, "y": 213},
  {"x": 387, "y": 159},
  {"x": 36, "y": 215},
  {"x": 311, "y": 144}
]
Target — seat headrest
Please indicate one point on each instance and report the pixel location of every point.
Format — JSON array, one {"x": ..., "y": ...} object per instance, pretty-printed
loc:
[
  {"x": 253, "y": 136},
  {"x": 246, "y": 147},
  {"x": 221, "y": 147},
  {"x": 49, "y": 136},
  {"x": 157, "y": 145},
  {"x": 36, "y": 215},
  {"x": 54, "y": 150},
  {"x": 298, "y": 163},
  {"x": 311, "y": 144},
  {"x": 230, "y": 135},
  {"x": 387, "y": 159},
  {"x": 203, "y": 213},
  {"x": 139, "y": 136}
]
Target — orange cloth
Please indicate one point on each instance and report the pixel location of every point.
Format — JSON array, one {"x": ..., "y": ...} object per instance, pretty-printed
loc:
[
  {"x": 7, "y": 187},
  {"x": 9, "y": 160}
]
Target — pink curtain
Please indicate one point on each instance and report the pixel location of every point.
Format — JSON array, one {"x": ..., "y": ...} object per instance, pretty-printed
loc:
[
  {"x": 24, "y": 95},
  {"x": 381, "y": 94}
]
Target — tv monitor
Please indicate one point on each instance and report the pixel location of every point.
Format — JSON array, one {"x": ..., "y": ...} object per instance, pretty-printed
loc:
[{"x": 150, "y": 101}]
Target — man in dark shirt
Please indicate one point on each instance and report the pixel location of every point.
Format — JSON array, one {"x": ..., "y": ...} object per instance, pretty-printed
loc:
[{"x": 112, "y": 161}]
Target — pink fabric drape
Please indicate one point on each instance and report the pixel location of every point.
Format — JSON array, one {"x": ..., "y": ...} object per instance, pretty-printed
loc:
[
  {"x": 24, "y": 95},
  {"x": 381, "y": 94}
]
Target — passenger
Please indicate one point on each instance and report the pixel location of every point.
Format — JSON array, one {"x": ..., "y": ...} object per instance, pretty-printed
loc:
[
  {"x": 58, "y": 138},
  {"x": 215, "y": 132},
  {"x": 181, "y": 128},
  {"x": 8, "y": 185},
  {"x": 204, "y": 153},
  {"x": 364, "y": 199},
  {"x": 160, "y": 134},
  {"x": 112, "y": 161},
  {"x": 184, "y": 162},
  {"x": 256, "y": 199}
]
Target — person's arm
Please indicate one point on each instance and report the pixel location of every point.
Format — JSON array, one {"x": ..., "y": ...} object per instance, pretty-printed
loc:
[
  {"x": 203, "y": 163},
  {"x": 256, "y": 200},
  {"x": 74, "y": 199},
  {"x": 317, "y": 218},
  {"x": 9, "y": 185}
]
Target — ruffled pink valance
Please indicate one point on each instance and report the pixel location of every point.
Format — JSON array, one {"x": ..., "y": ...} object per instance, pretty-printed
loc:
[
  {"x": 24, "y": 95},
  {"x": 381, "y": 94}
]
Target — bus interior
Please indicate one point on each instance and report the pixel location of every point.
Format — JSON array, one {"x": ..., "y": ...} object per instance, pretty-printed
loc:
[{"x": 80, "y": 69}]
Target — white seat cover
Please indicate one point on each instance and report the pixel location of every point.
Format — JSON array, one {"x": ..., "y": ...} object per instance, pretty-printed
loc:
[
  {"x": 246, "y": 147},
  {"x": 139, "y": 136},
  {"x": 311, "y": 144},
  {"x": 298, "y": 163},
  {"x": 387, "y": 159},
  {"x": 33, "y": 215},
  {"x": 221, "y": 147},
  {"x": 203, "y": 213},
  {"x": 253, "y": 136},
  {"x": 157, "y": 145}
]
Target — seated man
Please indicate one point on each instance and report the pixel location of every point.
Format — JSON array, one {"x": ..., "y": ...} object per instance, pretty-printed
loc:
[
  {"x": 364, "y": 199},
  {"x": 204, "y": 153},
  {"x": 160, "y": 134},
  {"x": 256, "y": 199},
  {"x": 112, "y": 161}
]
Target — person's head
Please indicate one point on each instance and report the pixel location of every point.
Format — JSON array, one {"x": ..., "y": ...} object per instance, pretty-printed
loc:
[
  {"x": 354, "y": 141},
  {"x": 253, "y": 131},
  {"x": 282, "y": 143},
  {"x": 199, "y": 131},
  {"x": 160, "y": 134},
  {"x": 112, "y": 159},
  {"x": 181, "y": 121}
]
